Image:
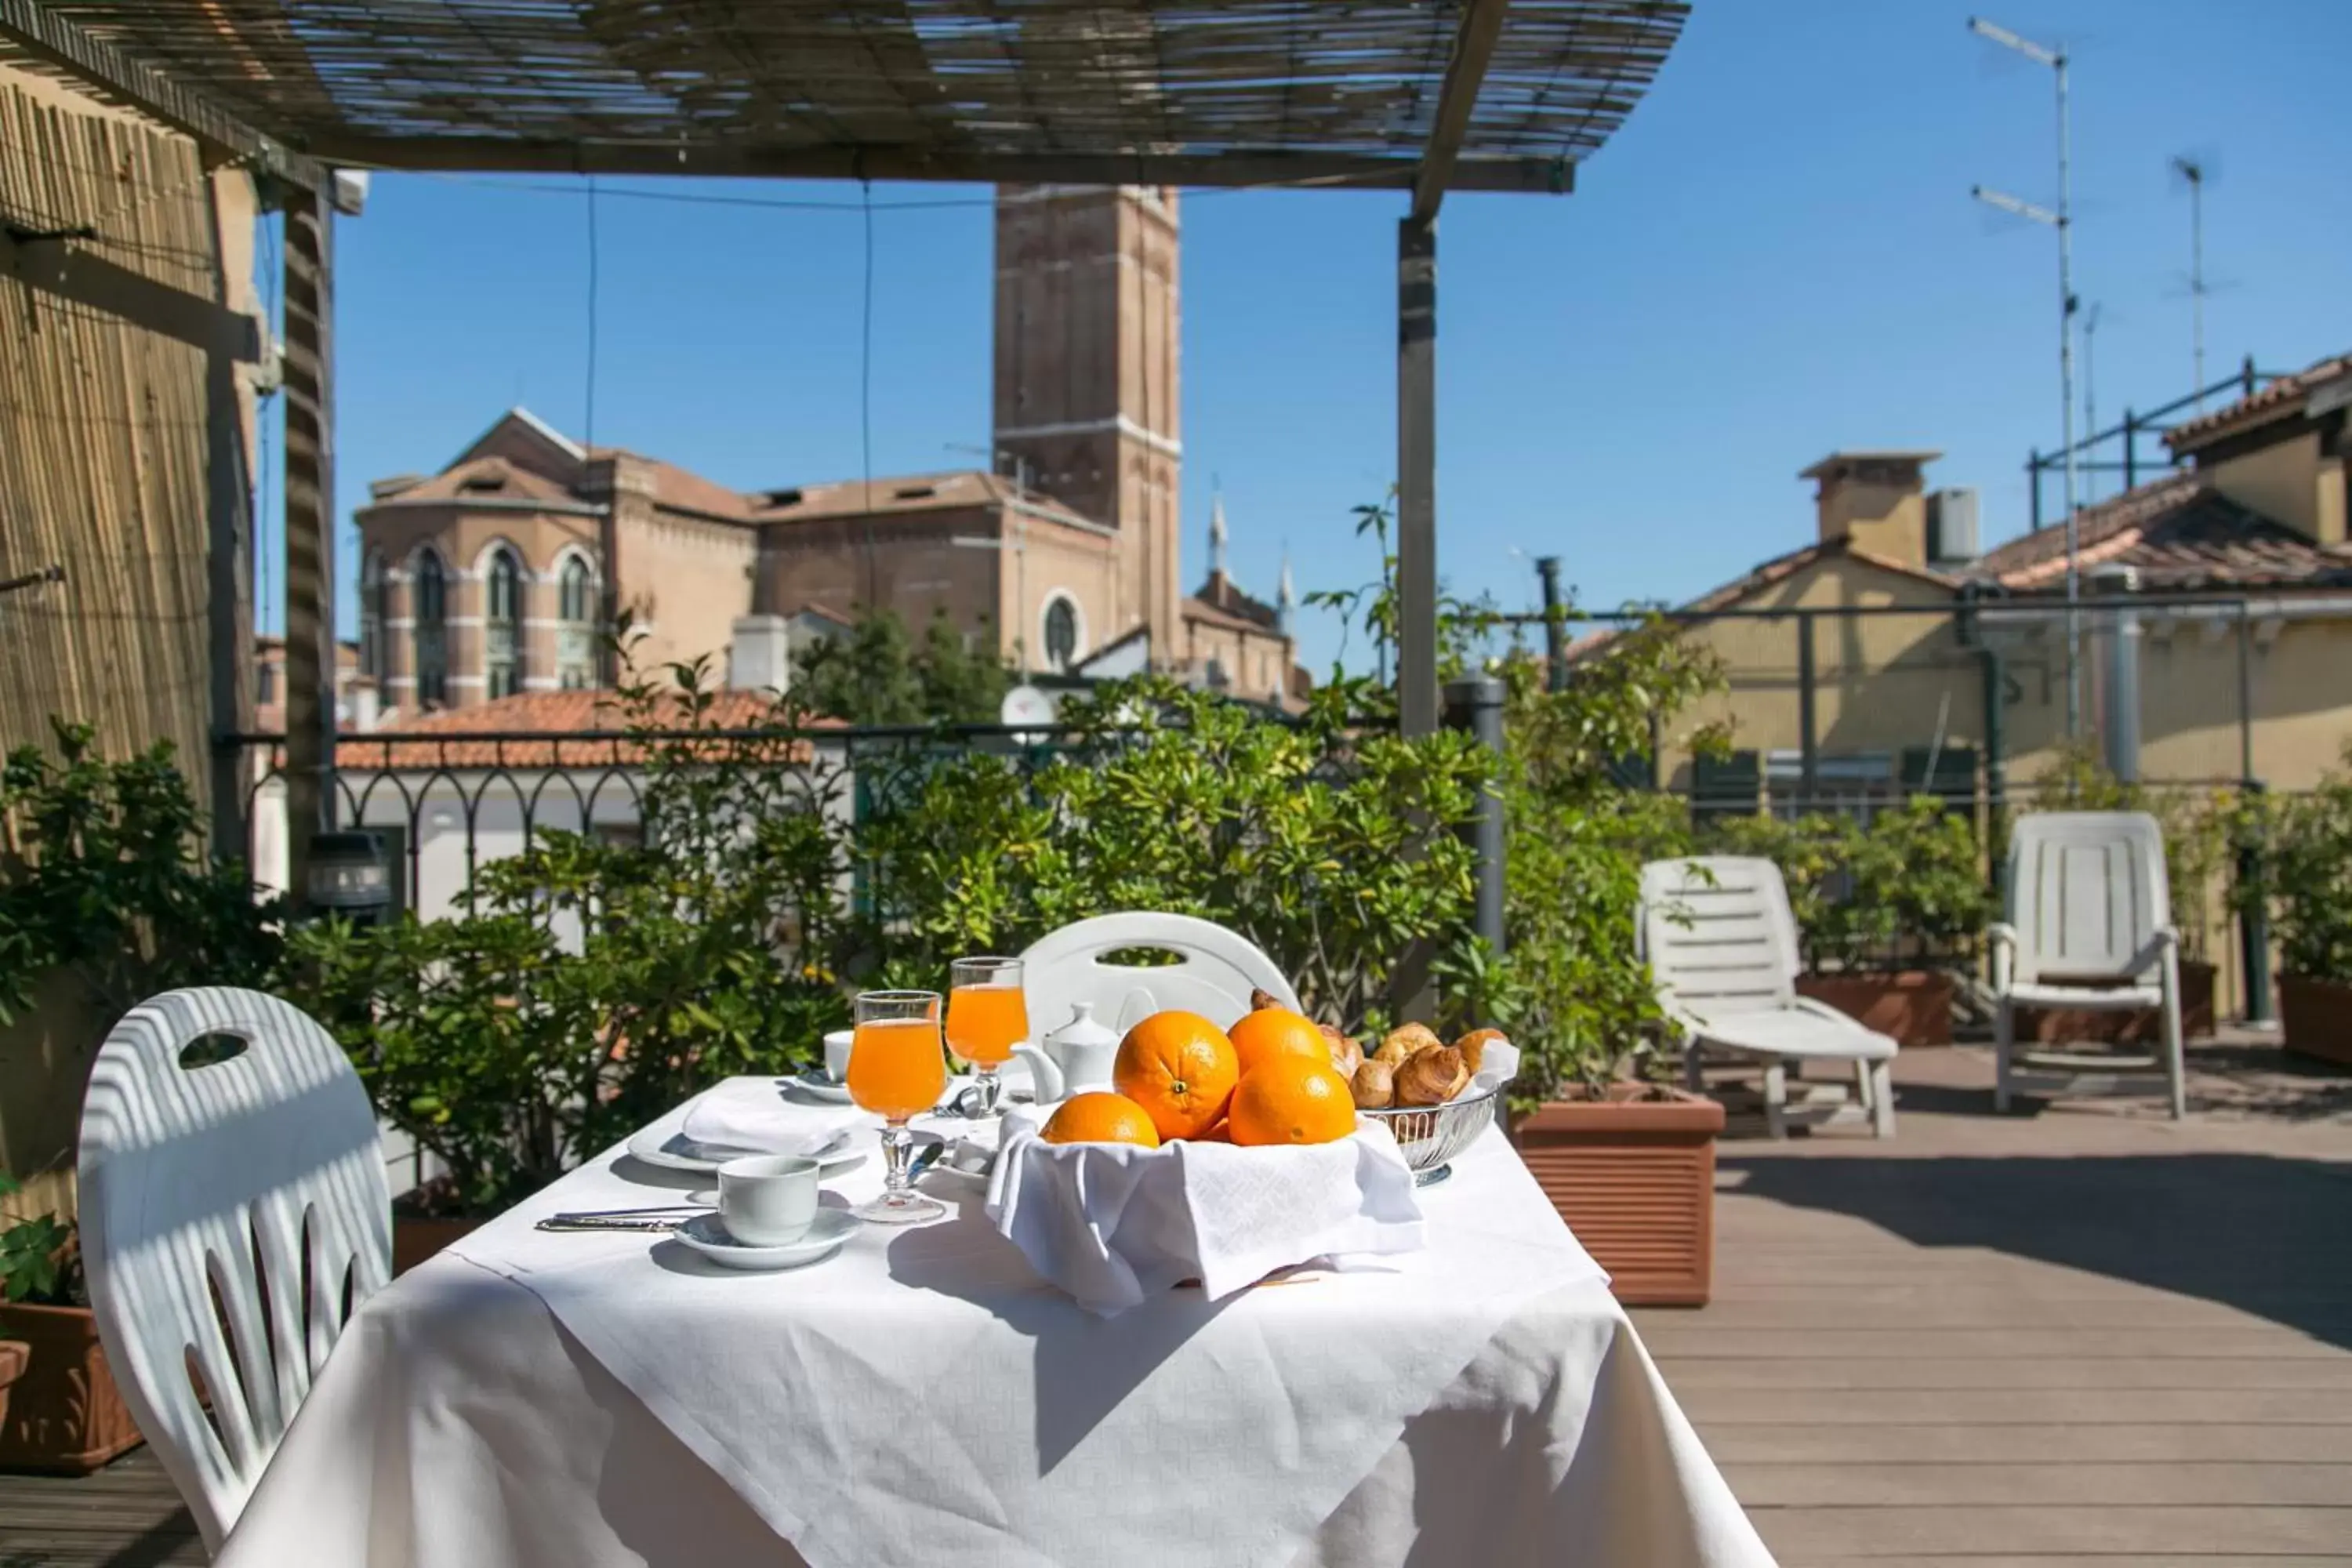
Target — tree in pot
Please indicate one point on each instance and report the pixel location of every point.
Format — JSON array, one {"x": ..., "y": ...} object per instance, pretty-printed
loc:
[
  {"x": 1630, "y": 1162},
  {"x": 63, "y": 1415},
  {"x": 2305, "y": 843}
]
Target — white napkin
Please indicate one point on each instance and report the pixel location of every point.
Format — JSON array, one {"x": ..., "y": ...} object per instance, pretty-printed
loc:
[
  {"x": 1112, "y": 1224},
  {"x": 751, "y": 1115}
]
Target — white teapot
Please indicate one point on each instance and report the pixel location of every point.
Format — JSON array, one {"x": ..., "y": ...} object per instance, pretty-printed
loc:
[{"x": 1077, "y": 1057}]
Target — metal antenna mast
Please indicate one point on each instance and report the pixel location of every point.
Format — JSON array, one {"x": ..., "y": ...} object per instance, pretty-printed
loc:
[{"x": 2061, "y": 221}]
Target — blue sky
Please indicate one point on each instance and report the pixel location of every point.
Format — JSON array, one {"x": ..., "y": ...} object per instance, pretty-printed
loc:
[{"x": 1776, "y": 256}]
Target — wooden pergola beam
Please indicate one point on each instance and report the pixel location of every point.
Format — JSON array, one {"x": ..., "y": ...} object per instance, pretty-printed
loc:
[
  {"x": 499, "y": 154},
  {"x": 1457, "y": 100},
  {"x": 57, "y": 41}
]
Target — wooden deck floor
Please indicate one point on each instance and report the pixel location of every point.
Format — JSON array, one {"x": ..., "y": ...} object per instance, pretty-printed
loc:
[
  {"x": 2079, "y": 1335},
  {"x": 2082, "y": 1334}
]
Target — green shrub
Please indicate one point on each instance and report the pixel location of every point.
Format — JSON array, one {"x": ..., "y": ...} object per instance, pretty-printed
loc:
[{"x": 2306, "y": 875}]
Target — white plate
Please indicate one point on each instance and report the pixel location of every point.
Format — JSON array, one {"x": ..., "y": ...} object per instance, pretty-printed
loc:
[
  {"x": 817, "y": 1087},
  {"x": 705, "y": 1234},
  {"x": 676, "y": 1151}
]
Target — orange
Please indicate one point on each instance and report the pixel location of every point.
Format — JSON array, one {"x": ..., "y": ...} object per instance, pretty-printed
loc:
[
  {"x": 1100, "y": 1117},
  {"x": 1273, "y": 1032},
  {"x": 1180, "y": 1068},
  {"x": 1222, "y": 1132},
  {"x": 1292, "y": 1100}
]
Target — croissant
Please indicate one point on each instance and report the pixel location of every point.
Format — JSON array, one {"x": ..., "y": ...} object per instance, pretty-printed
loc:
[
  {"x": 1473, "y": 1046},
  {"x": 1373, "y": 1085},
  {"x": 1403, "y": 1041},
  {"x": 1432, "y": 1077},
  {"x": 1346, "y": 1054},
  {"x": 1260, "y": 1000}
]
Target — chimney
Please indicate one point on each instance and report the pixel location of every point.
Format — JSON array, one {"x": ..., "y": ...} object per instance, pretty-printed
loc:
[
  {"x": 1877, "y": 501},
  {"x": 759, "y": 654}
]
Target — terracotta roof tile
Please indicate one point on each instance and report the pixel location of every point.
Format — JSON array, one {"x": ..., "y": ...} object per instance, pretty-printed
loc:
[
  {"x": 2182, "y": 535},
  {"x": 2274, "y": 398},
  {"x": 486, "y": 477}
]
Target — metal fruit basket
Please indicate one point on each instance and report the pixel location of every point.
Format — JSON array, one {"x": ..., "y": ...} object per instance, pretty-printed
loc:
[{"x": 1432, "y": 1136}]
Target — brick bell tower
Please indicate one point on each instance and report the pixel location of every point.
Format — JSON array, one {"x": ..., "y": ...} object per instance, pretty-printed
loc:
[{"x": 1086, "y": 352}]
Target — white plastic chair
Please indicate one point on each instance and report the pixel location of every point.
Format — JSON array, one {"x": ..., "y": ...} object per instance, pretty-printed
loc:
[
  {"x": 2089, "y": 929},
  {"x": 1217, "y": 971},
  {"x": 1721, "y": 945},
  {"x": 233, "y": 1216}
]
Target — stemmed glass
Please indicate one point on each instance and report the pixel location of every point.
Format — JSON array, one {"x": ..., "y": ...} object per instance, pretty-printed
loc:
[
  {"x": 987, "y": 1016},
  {"x": 897, "y": 1071}
]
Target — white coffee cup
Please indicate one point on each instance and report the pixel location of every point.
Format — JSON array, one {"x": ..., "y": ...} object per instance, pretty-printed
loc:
[
  {"x": 768, "y": 1200},
  {"x": 836, "y": 1053}
]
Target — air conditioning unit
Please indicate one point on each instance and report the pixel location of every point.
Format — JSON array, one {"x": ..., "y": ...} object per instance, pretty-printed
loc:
[{"x": 1951, "y": 527}]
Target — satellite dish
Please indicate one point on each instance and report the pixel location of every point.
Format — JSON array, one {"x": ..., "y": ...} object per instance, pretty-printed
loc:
[{"x": 1028, "y": 711}]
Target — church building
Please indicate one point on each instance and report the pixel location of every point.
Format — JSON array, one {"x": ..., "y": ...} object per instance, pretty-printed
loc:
[{"x": 489, "y": 578}]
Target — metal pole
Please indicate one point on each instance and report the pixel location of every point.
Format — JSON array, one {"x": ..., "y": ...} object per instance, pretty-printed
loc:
[
  {"x": 1555, "y": 629},
  {"x": 1475, "y": 704},
  {"x": 2131, "y": 450},
  {"x": 2033, "y": 475},
  {"x": 2197, "y": 272},
  {"x": 1808, "y": 716},
  {"x": 309, "y": 492},
  {"x": 2120, "y": 722},
  {"x": 2066, "y": 410},
  {"x": 2245, "y": 689},
  {"x": 1416, "y": 477},
  {"x": 2254, "y": 921}
]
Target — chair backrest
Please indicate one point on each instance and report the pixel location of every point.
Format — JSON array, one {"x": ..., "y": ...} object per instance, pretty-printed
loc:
[
  {"x": 1215, "y": 975},
  {"x": 234, "y": 1213},
  {"x": 1718, "y": 934},
  {"x": 2087, "y": 891}
]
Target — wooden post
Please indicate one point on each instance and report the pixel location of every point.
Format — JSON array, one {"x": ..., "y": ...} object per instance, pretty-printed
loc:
[
  {"x": 1417, "y": 476},
  {"x": 308, "y": 389},
  {"x": 228, "y": 583}
]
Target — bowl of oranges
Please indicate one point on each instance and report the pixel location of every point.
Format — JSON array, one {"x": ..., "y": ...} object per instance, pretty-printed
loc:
[{"x": 1217, "y": 1155}]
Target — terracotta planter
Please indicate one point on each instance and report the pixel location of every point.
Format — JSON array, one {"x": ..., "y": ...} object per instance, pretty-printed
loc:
[
  {"x": 2317, "y": 1017},
  {"x": 2141, "y": 1028},
  {"x": 14, "y": 1353},
  {"x": 1633, "y": 1175},
  {"x": 414, "y": 1239},
  {"x": 65, "y": 1415},
  {"x": 1913, "y": 1005}
]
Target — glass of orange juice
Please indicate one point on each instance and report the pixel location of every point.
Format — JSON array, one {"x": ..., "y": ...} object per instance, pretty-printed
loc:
[
  {"x": 897, "y": 1071},
  {"x": 986, "y": 1018}
]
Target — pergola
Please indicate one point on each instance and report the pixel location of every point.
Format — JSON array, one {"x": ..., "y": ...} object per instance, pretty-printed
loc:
[{"x": 1425, "y": 98}]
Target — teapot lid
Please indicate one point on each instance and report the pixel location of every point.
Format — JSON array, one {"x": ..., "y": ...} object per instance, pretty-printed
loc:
[{"x": 1083, "y": 1030}]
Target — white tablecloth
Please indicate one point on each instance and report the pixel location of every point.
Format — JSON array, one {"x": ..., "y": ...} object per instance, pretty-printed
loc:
[{"x": 547, "y": 1401}]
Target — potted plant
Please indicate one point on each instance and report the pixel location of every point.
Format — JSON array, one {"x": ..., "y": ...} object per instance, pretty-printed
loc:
[
  {"x": 2196, "y": 824},
  {"x": 1628, "y": 1161},
  {"x": 1884, "y": 909},
  {"x": 2307, "y": 880},
  {"x": 63, "y": 1414}
]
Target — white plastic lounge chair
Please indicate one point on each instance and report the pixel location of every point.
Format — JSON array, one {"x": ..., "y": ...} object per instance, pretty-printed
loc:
[
  {"x": 1722, "y": 945},
  {"x": 2089, "y": 928},
  {"x": 1216, "y": 972},
  {"x": 257, "y": 1180}
]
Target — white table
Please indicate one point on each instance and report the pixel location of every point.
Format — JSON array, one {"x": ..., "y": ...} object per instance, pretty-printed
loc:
[{"x": 462, "y": 1423}]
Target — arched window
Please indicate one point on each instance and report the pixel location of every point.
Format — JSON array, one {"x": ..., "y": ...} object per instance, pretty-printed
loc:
[
  {"x": 575, "y": 632},
  {"x": 371, "y": 616},
  {"x": 432, "y": 631},
  {"x": 502, "y": 626},
  {"x": 1061, "y": 633}
]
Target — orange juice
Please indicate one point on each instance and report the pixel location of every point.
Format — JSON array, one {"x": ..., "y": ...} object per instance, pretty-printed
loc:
[
  {"x": 984, "y": 1022},
  {"x": 896, "y": 1070}
]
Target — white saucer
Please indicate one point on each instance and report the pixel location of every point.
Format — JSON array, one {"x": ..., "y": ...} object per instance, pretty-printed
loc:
[
  {"x": 816, "y": 1087},
  {"x": 676, "y": 1151},
  {"x": 705, "y": 1234}
]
